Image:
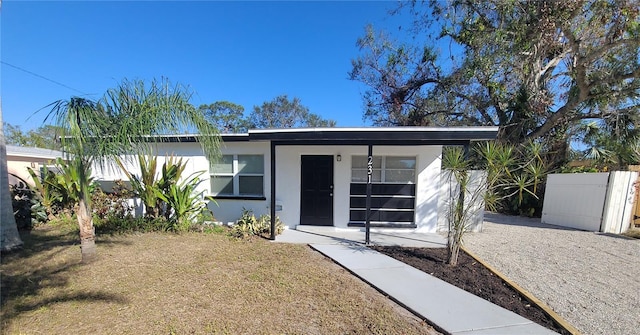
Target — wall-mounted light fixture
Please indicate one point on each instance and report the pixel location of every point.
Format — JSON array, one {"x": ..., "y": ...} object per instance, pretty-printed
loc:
[{"x": 339, "y": 158}]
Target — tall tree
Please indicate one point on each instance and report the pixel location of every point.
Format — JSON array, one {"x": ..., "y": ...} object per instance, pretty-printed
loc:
[
  {"x": 119, "y": 123},
  {"x": 284, "y": 113},
  {"x": 534, "y": 68},
  {"x": 42, "y": 137},
  {"x": 614, "y": 143},
  {"x": 9, "y": 237},
  {"x": 227, "y": 116}
]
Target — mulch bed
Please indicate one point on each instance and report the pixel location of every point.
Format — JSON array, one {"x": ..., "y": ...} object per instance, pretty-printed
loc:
[{"x": 472, "y": 277}]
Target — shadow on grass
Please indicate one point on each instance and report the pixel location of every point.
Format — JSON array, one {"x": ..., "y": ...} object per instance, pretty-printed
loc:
[{"x": 38, "y": 275}]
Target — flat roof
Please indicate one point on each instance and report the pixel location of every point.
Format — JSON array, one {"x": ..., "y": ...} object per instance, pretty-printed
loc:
[
  {"x": 357, "y": 136},
  {"x": 378, "y": 136},
  {"x": 31, "y": 152}
]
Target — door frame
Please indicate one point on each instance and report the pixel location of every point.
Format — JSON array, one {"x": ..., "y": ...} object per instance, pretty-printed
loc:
[{"x": 331, "y": 171}]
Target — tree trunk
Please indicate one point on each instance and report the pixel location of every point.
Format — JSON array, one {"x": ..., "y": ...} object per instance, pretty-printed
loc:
[
  {"x": 9, "y": 236},
  {"x": 87, "y": 232},
  {"x": 457, "y": 227},
  {"x": 453, "y": 250}
]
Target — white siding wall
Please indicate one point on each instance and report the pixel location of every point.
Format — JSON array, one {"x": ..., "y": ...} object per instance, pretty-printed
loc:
[{"x": 288, "y": 180}]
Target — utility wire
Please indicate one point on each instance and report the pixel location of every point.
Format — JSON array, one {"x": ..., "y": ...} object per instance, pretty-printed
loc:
[{"x": 42, "y": 77}]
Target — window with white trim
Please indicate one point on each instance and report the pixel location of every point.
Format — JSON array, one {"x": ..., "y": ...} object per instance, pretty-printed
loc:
[{"x": 238, "y": 175}]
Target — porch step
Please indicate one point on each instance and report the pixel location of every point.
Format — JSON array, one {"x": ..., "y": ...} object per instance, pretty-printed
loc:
[{"x": 381, "y": 236}]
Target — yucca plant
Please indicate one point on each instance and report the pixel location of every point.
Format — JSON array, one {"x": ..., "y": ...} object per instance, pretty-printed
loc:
[
  {"x": 184, "y": 201},
  {"x": 458, "y": 176},
  {"x": 510, "y": 173},
  {"x": 145, "y": 185},
  {"x": 151, "y": 190},
  {"x": 171, "y": 173}
]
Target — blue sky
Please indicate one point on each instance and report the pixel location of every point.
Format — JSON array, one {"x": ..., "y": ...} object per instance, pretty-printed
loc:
[{"x": 243, "y": 52}]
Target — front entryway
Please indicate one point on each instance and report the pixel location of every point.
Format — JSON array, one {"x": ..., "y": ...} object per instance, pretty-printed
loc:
[{"x": 316, "y": 199}]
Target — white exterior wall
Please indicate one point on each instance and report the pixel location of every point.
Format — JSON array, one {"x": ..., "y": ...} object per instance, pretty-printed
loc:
[
  {"x": 190, "y": 152},
  {"x": 288, "y": 169},
  {"x": 474, "y": 200}
]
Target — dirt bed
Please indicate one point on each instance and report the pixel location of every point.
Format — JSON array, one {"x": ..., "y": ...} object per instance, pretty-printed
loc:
[
  {"x": 472, "y": 277},
  {"x": 590, "y": 279}
]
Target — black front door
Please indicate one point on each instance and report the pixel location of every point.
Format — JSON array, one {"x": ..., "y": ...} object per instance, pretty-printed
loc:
[{"x": 316, "y": 200}]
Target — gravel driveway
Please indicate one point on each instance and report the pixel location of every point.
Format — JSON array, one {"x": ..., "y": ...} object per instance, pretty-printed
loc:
[{"x": 591, "y": 279}]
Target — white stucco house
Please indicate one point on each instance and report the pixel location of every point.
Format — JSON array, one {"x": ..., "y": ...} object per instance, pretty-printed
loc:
[{"x": 319, "y": 176}]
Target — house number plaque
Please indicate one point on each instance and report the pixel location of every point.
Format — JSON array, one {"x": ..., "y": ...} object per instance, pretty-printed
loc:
[{"x": 369, "y": 169}]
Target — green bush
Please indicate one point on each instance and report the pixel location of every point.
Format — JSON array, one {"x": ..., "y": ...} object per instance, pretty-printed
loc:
[
  {"x": 59, "y": 192},
  {"x": 27, "y": 208},
  {"x": 185, "y": 202},
  {"x": 178, "y": 202},
  {"x": 248, "y": 225},
  {"x": 114, "y": 204}
]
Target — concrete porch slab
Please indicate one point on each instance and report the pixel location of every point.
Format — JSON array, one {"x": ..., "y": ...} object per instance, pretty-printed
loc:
[{"x": 331, "y": 235}]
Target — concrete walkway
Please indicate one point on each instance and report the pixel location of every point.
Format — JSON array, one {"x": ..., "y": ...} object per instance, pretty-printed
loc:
[{"x": 452, "y": 310}]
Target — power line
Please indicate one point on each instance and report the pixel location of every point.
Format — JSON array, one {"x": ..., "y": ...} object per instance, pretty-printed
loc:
[{"x": 42, "y": 77}]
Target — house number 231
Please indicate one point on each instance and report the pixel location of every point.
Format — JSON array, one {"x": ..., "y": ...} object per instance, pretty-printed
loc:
[{"x": 369, "y": 169}]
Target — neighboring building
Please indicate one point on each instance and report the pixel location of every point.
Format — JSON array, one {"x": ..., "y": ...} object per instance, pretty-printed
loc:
[
  {"x": 20, "y": 158},
  {"x": 318, "y": 176}
]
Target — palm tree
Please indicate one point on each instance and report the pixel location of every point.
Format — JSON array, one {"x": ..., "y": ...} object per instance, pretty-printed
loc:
[
  {"x": 124, "y": 121},
  {"x": 9, "y": 237}
]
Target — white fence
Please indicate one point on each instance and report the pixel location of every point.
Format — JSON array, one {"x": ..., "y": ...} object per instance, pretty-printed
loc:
[
  {"x": 474, "y": 197},
  {"x": 590, "y": 201}
]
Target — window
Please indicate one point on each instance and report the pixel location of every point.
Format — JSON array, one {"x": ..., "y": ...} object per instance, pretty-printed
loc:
[
  {"x": 238, "y": 175},
  {"x": 393, "y": 192},
  {"x": 386, "y": 169}
]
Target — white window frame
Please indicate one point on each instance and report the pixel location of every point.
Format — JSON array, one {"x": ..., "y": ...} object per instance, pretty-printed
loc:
[{"x": 235, "y": 174}]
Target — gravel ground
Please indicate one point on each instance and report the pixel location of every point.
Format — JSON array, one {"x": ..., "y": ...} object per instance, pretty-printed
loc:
[{"x": 590, "y": 279}]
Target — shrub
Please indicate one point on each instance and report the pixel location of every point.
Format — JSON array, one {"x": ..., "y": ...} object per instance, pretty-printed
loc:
[
  {"x": 248, "y": 225},
  {"x": 113, "y": 204},
  {"x": 185, "y": 202},
  {"x": 264, "y": 224},
  {"x": 27, "y": 208}
]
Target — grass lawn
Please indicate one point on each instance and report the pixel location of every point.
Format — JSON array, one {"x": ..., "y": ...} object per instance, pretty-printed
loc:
[{"x": 193, "y": 283}]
